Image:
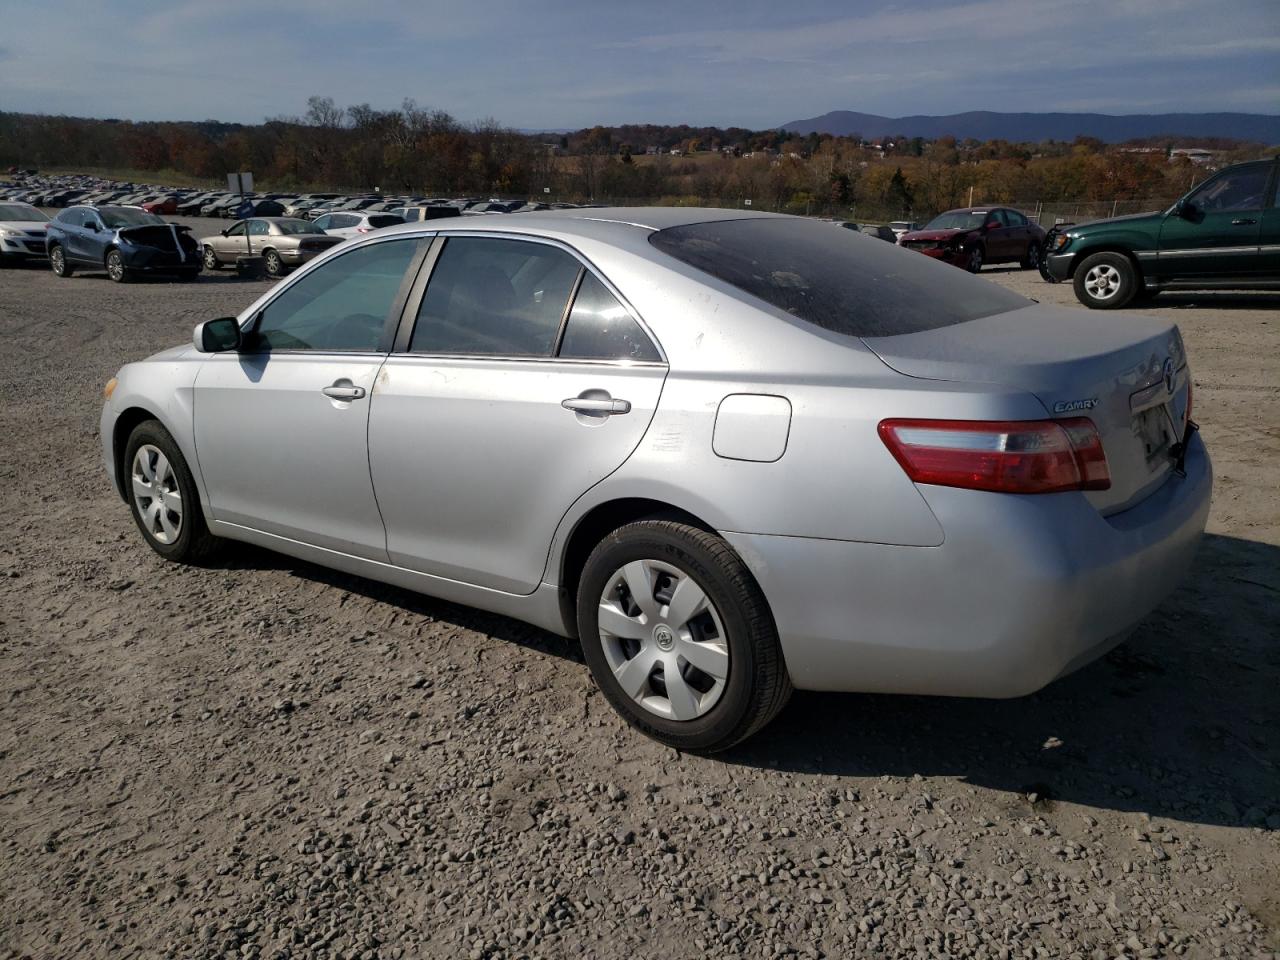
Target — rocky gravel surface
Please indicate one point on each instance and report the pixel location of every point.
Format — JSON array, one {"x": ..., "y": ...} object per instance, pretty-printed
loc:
[{"x": 265, "y": 759}]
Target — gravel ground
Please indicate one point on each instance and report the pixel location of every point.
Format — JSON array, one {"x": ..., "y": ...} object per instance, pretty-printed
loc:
[{"x": 268, "y": 759}]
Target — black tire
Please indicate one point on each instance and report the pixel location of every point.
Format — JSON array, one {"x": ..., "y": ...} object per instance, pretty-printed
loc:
[
  {"x": 973, "y": 263},
  {"x": 1106, "y": 281},
  {"x": 274, "y": 265},
  {"x": 757, "y": 685},
  {"x": 210, "y": 259},
  {"x": 1031, "y": 259},
  {"x": 194, "y": 542},
  {"x": 58, "y": 262},
  {"x": 116, "y": 269}
]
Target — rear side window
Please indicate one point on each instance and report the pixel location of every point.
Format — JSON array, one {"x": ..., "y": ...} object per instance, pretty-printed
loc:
[
  {"x": 600, "y": 328},
  {"x": 492, "y": 297},
  {"x": 838, "y": 280}
]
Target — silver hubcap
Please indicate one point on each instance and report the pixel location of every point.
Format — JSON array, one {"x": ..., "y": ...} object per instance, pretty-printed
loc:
[
  {"x": 156, "y": 496},
  {"x": 210, "y": 260},
  {"x": 663, "y": 640},
  {"x": 58, "y": 262},
  {"x": 1102, "y": 282}
]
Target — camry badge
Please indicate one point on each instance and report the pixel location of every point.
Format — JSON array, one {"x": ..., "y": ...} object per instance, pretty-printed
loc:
[{"x": 1070, "y": 406}]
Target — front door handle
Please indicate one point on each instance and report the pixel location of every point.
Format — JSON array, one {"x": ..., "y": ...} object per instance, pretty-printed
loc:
[
  {"x": 596, "y": 405},
  {"x": 343, "y": 390},
  {"x": 1243, "y": 222}
]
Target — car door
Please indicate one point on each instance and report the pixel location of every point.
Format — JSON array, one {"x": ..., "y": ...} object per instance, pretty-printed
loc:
[
  {"x": 1213, "y": 232},
  {"x": 71, "y": 222},
  {"x": 1269, "y": 230},
  {"x": 258, "y": 231},
  {"x": 281, "y": 426},
  {"x": 519, "y": 381},
  {"x": 232, "y": 243},
  {"x": 999, "y": 242},
  {"x": 93, "y": 238}
]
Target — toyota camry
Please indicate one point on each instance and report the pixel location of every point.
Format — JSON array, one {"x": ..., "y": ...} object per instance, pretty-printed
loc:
[{"x": 731, "y": 453}]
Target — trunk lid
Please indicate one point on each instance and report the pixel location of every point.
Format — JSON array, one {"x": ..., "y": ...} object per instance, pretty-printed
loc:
[{"x": 1128, "y": 374}]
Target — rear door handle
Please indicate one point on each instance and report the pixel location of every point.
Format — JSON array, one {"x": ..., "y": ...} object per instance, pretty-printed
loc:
[
  {"x": 343, "y": 391},
  {"x": 596, "y": 405},
  {"x": 1243, "y": 222}
]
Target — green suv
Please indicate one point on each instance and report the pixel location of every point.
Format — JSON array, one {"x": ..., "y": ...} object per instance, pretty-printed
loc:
[{"x": 1223, "y": 234}]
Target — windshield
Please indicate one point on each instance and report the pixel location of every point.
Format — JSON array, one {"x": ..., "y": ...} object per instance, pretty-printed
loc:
[
  {"x": 21, "y": 211},
  {"x": 113, "y": 217},
  {"x": 957, "y": 220},
  {"x": 290, "y": 227},
  {"x": 839, "y": 280}
]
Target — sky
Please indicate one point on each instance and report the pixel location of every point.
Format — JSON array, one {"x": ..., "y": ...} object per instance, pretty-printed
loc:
[{"x": 575, "y": 63}]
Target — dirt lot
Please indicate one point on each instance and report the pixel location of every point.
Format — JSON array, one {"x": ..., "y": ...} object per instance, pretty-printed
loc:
[{"x": 266, "y": 759}]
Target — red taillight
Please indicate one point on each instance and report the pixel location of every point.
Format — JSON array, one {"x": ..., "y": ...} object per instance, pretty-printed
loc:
[{"x": 1005, "y": 456}]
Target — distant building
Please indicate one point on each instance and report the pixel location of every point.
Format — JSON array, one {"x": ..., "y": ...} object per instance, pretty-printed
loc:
[{"x": 1194, "y": 154}]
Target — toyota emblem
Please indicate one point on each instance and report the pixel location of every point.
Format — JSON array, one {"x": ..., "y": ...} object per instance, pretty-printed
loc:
[{"x": 1168, "y": 374}]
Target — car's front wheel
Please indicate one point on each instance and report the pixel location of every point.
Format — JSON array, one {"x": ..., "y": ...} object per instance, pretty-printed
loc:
[
  {"x": 679, "y": 637},
  {"x": 1031, "y": 260},
  {"x": 116, "y": 269},
  {"x": 210, "y": 258},
  {"x": 1105, "y": 281},
  {"x": 163, "y": 497}
]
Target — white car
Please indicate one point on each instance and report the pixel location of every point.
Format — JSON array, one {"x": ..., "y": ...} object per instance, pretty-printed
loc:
[
  {"x": 22, "y": 231},
  {"x": 353, "y": 223}
]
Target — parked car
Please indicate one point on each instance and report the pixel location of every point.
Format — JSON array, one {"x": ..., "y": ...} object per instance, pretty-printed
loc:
[
  {"x": 782, "y": 455},
  {"x": 428, "y": 212},
  {"x": 22, "y": 232},
  {"x": 282, "y": 242},
  {"x": 970, "y": 238},
  {"x": 899, "y": 227},
  {"x": 879, "y": 231},
  {"x": 164, "y": 206},
  {"x": 1225, "y": 233},
  {"x": 351, "y": 224},
  {"x": 124, "y": 241}
]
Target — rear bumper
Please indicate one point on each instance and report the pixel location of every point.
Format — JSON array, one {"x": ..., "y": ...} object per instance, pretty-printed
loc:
[
  {"x": 300, "y": 256},
  {"x": 1023, "y": 590}
]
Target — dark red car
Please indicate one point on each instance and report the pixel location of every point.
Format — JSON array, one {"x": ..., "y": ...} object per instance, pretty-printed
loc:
[
  {"x": 970, "y": 238},
  {"x": 165, "y": 206}
]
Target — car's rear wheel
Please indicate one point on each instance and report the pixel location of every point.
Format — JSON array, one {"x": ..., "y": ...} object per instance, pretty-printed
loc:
[
  {"x": 115, "y": 267},
  {"x": 275, "y": 266},
  {"x": 1105, "y": 281},
  {"x": 973, "y": 263},
  {"x": 58, "y": 262},
  {"x": 1031, "y": 260},
  {"x": 210, "y": 258},
  {"x": 679, "y": 637},
  {"x": 163, "y": 497}
]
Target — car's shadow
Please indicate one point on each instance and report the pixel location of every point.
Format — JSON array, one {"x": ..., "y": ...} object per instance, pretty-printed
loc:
[{"x": 1180, "y": 722}]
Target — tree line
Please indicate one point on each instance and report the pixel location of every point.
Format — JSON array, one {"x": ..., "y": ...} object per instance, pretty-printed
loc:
[{"x": 423, "y": 151}]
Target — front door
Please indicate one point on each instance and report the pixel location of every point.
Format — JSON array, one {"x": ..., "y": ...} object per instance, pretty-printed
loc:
[
  {"x": 281, "y": 426},
  {"x": 233, "y": 244},
  {"x": 508, "y": 403},
  {"x": 1214, "y": 234}
]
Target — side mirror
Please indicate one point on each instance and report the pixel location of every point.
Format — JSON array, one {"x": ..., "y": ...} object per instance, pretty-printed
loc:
[
  {"x": 1186, "y": 209},
  {"x": 224, "y": 232},
  {"x": 217, "y": 336}
]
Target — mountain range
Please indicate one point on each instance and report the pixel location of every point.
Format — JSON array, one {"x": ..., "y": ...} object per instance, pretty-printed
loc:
[{"x": 1035, "y": 127}]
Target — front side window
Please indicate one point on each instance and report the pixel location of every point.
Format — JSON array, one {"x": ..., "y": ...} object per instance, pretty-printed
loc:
[
  {"x": 342, "y": 305},
  {"x": 494, "y": 297},
  {"x": 1235, "y": 190},
  {"x": 1015, "y": 218},
  {"x": 838, "y": 280},
  {"x": 600, "y": 328},
  {"x": 237, "y": 230}
]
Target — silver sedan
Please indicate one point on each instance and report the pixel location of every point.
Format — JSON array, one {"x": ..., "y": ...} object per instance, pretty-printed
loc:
[
  {"x": 732, "y": 453},
  {"x": 282, "y": 242}
]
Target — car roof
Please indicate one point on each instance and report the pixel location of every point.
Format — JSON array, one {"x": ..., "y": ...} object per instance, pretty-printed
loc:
[{"x": 600, "y": 223}]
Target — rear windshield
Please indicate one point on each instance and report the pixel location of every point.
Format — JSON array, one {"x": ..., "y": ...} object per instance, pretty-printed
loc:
[
  {"x": 839, "y": 280},
  {"x": 384, "y": 220}
]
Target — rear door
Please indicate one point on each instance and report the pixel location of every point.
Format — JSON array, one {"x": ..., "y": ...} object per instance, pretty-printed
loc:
[
  {"x": 520, "y": 380},
  {"x": 281, "y": 426},
  {"x": 1216, "y": 236},
  {"x": 1269, "y": 230},
  {"x": 258, "y": 231}
]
